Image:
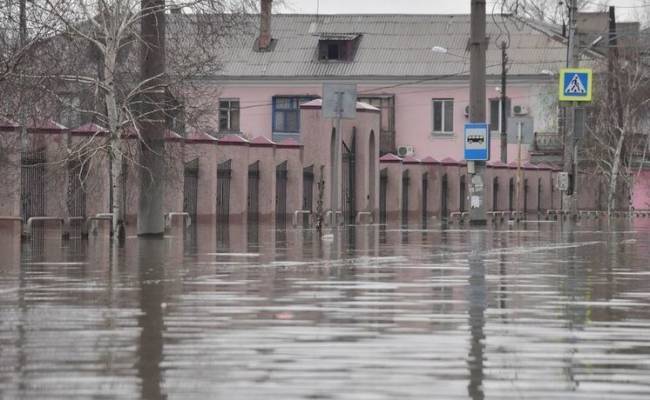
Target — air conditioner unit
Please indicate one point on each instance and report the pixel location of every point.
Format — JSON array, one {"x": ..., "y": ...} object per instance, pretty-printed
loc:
[
  {"x": 467, "y": 111},
  {"x": 405, "y": 151},
  {"x": 520, "y": 110}
]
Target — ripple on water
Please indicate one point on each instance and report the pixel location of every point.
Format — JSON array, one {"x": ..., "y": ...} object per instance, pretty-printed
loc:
[{"x": 544, "y": 313}]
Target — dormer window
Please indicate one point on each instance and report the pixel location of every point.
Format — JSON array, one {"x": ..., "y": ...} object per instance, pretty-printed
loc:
[
  {"x": 337, "y": 47},
  {"x": 334, "y": 51}
]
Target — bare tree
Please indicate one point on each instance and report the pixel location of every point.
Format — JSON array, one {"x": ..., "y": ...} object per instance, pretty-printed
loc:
[
  {"x": 618, "y": 126},
  {"x": 549, "y": 11},
  {"x": 88, "y": 63}
]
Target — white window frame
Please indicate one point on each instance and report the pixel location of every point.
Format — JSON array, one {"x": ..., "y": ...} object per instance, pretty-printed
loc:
[
  {"x": 230, "y": 100},
  {"x": 433, "y": 116}
]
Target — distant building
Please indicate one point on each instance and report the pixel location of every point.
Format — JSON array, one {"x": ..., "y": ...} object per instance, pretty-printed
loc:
[{"x": 422, "y": 93}]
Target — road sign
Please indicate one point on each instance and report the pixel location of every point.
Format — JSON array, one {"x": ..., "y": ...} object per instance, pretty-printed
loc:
[
  {"x": 477, "y": 142},
  {"x": 575, "y": 84},
  {"x": 339, "y": 100}
]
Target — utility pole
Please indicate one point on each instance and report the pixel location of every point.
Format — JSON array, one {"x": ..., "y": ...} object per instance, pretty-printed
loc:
[
  {"x": 152, "y": 120},
  {"x": 569, "y": 197},
  {"x": 23, "y": 43},
  {"x": 476, "y": 169},
  {"x": 504, "y": 114}
]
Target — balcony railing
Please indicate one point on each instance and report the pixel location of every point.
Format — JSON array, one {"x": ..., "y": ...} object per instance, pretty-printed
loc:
[{"x": 548, "y": 141}]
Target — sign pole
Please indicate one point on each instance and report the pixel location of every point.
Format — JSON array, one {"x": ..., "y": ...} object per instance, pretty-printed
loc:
[
  {"x": 339, "y": 102},
  {"x": 336, "y": 187},
  {"x": 519, "y": 166},
  {"x": 477, "y": 212}
]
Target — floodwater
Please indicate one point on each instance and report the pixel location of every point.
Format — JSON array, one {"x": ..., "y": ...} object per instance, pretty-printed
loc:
[{"x": 536, "y": 311}]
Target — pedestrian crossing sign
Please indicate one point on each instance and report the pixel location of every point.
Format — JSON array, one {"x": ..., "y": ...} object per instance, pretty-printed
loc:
[{"x": 575, "y": 84}]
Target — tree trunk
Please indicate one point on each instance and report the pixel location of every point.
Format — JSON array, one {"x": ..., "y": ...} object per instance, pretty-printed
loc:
[
  {"x": 616, "y": 166},
  {"x": 152, "y": 120},
  {"x": 115, "y": 151}
]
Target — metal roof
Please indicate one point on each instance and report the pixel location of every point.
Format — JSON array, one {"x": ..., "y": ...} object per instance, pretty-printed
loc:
[{"x": 389, "y": 46}]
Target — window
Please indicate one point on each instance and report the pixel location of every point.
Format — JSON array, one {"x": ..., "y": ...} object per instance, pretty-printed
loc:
[
  {"x": 229, "y": 115},
  {"x": 337, "y": 47},
  {"x": 333, "y": 50},
  {"x": 286, "y": 113},
  {"x": 495, "y": 113},
  {"x": 386, "y": 105},
  {"x": 443, "y": 116},
  {"x": 70, "y": 110}
]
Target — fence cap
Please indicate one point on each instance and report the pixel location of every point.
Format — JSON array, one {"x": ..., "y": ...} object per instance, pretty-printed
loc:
[
  {"x": 196, "y": 136},
  {"x": 169, "y": 135},
  {"x": 429, "y": 160},
  {"x": 288, "y": 143},
  {"x": 410, "y": 160},
  {"x": 449, "y": 161},
  {"x": 390, "y": 158},
  {"x": 261, "y": 141},
  {"x": 173, "y": 136},
  {"x": 8, "y": 125},
  {"x": 89, "y": 129},
  {"x": 544, "y": 166},
  {"x": 529, "y": 165},
  {"x": 46, "y": 126},
  {"x": 497, "y": 164},
  {"x": 233, "y": 140}
]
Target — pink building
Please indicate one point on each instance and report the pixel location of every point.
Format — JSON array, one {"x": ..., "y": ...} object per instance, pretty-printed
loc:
[{"x": 414, "y": 68}]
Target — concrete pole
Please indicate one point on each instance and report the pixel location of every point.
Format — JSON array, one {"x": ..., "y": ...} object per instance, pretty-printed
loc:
[
  {"x": 336, "y": 186},
  {"x": 152, "y": 125},
  {"x": 569, "y": 197},
  {"x": 477, "y": 106},
  {"x": 504, "y": 111}
]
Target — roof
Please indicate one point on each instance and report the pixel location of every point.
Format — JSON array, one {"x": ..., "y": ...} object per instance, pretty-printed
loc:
[{"x": 388, "y": 46}]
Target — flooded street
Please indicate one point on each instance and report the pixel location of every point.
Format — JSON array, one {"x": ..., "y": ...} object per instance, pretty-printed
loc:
[{"x": 530, "y": 311}]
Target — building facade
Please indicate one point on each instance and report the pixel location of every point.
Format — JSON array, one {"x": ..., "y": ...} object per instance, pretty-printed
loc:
[{"x": 414, "y": 68}]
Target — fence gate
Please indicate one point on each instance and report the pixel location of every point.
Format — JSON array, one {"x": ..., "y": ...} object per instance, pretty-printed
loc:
[
  {"x": 307, "y": 192},
  {"x": 76, "y": 195},
  {"x": 425, "y": 198},
  {"x": 224, "y": 174},
  {"x": 32, "y": 185},
  {"x": 281, "y": 177},
  {"x": 495, "y": 194},
  {"x": 511, "y": 195},
  {"x": 525, "y": 196},
  {"x": 191, "y": 187},
  {"x": 539, "y": 194},
  {"x": 463, "y": 194},
  {"x": 406, "y": 180},
  {"x": 348, "y": 177},
  {"x": 383, "y": 186},
  {"x": 253, "y": 198},
  {"x": 444, "y": 193}
]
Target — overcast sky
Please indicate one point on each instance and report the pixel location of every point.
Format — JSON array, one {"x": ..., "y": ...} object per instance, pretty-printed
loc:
[{"x": 627, "y": 9}]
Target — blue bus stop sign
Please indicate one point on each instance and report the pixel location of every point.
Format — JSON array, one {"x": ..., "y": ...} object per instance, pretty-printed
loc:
[{"x": 477, "y": 142}]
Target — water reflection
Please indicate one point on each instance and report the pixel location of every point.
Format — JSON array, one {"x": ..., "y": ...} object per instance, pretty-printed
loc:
[
  {"x": 477, "y": 299},
  {"x": 151, "y": 274},
  {"x": 550, "y": 311}
]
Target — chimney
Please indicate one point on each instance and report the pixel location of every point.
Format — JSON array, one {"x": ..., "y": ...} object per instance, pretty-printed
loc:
[{"x": 264, "y": 41}]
